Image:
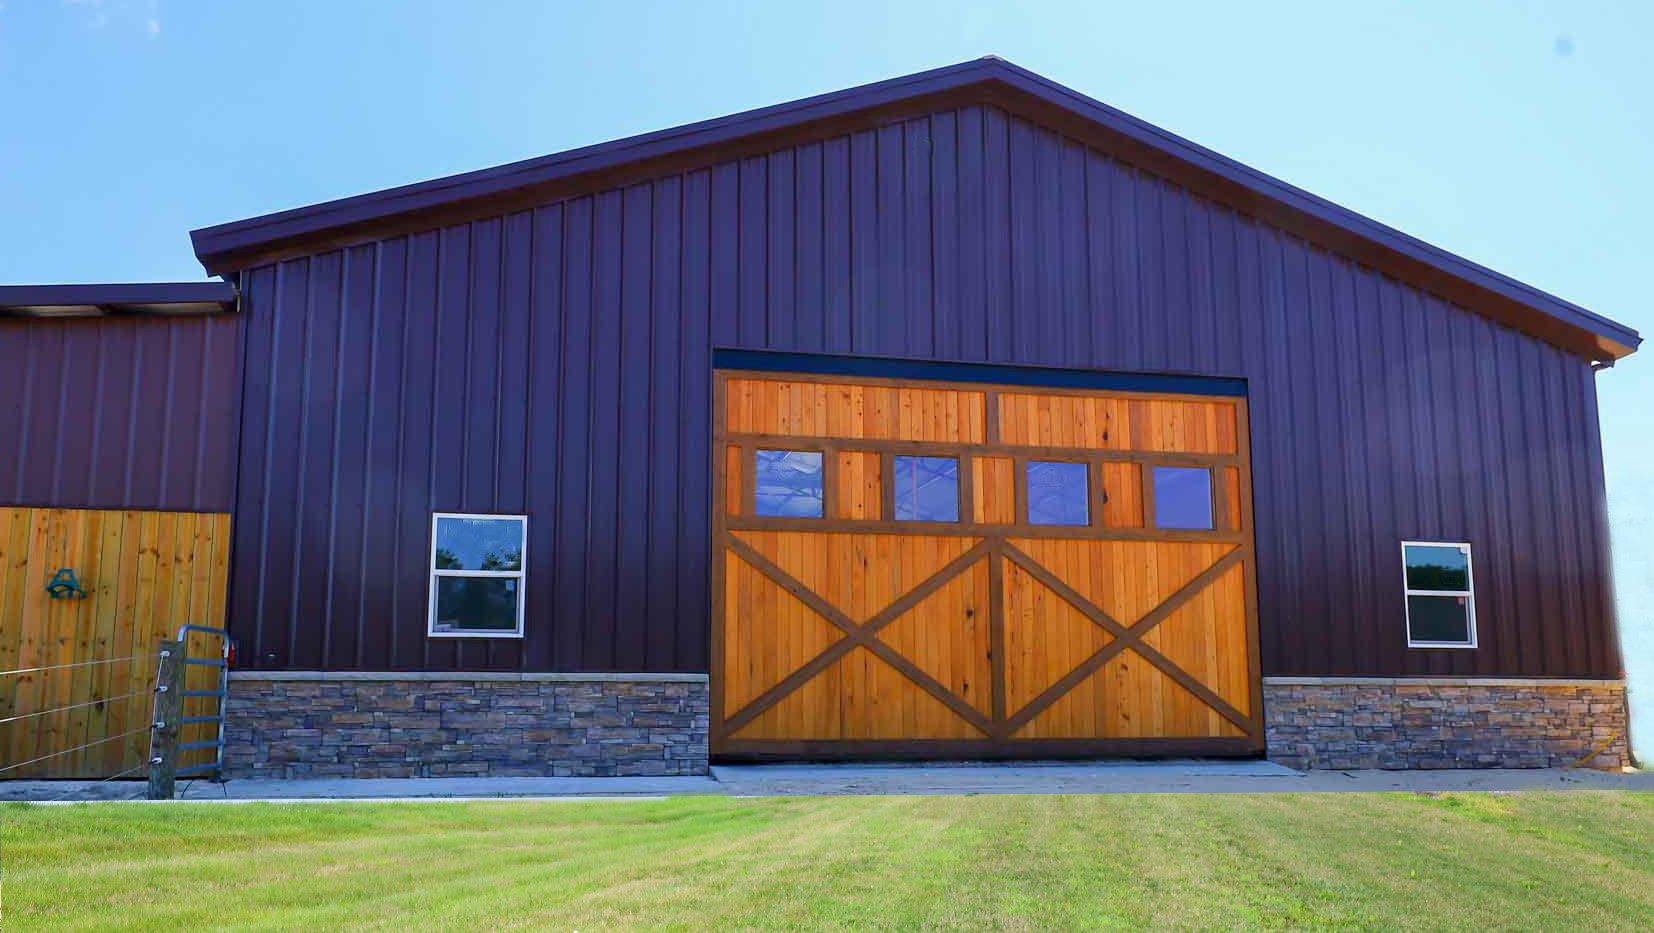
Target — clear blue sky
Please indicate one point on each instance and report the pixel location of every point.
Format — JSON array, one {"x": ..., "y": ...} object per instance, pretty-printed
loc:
[{"x": 1520, "y": 135}]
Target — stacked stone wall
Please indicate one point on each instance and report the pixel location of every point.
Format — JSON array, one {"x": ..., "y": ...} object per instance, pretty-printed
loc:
[
  {"x": 366, "y": 726},
  {"x": 317, "y": 725},
  {"x": 1350, "y": 723}
]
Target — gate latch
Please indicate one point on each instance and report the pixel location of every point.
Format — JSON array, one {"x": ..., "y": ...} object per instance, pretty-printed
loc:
[{"x": 64, "y": 585}]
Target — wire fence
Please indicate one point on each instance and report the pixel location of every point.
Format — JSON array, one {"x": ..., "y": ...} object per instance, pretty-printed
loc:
[
  {"x": 86, "y": 719},
  {"x": 82, "y": 791},
  {"x": 66, "y": 751},
  {"x": 102, "y": 701},
  {"x": 59, "y": 667},
  {"x": 33, "y": 733}
]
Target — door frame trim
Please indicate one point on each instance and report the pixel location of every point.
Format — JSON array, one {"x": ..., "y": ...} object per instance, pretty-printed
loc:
[{"x": 996, "y": 741}]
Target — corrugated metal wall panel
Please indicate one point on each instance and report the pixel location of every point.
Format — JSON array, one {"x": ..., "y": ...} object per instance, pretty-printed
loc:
[
  {"x": 557, "y": 362},
  {"x": 119, "y": 412}
]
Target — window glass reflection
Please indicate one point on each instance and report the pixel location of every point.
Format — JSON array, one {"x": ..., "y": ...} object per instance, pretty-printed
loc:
[
  {"x": 1443, "y": 619},
  {"x": 479, "y": 544},
  {"x": 1437, "y": 567},
  {"x": 789, "y": 483},
  {"x": 1183, "y": 497},
  {"x": 476, "y": 604},
  {"x": 927, "y": 489},
  {"x": 1058, "y": 493}
]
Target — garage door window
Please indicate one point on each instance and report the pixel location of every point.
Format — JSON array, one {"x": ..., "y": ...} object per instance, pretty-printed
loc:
[
  {"x": 477, "y": 575},
  {"x": 1441, "y": 606},
  {"x": 1183, "y": 497},
  {"x": 927, "y": 489},
  {"x": 790, "y": 484},
  {"x": 1058, "y": 493}
]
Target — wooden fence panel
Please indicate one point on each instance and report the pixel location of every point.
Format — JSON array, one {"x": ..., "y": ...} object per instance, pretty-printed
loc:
[{"x": 145, "y": 574}]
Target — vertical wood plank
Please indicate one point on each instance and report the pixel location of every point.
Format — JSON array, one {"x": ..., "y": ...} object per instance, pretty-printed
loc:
[
  {"x": 12, "y": 556},
  {"x": 31, "y": 695},
  {"x": 135, "y": 674},
  {"x": 861, "y": 697},
  {"x": 80, "y": 632},
  {"x": 110, "y": 716}
]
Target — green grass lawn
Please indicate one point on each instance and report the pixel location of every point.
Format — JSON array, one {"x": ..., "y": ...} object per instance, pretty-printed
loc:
[{"x": 1577, "y": 861}]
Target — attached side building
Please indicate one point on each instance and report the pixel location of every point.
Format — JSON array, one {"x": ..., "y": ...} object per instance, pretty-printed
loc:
[
  {"x": 953, "y": 416},
  {"x": 117, "y": 465}
]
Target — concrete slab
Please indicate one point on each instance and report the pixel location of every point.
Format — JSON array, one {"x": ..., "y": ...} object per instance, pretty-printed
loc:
[
  {"x": 416, "y": 788},
  {"x": 46, "y": 791},
  {"x": 1139, "y": 778},
  {"x": 953, "y": 778},
  {"x": 368, "y": 789}
]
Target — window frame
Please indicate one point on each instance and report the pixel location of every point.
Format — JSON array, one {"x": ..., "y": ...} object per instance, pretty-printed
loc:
[
  {"x": 1469, "y": 593},
  {"x": 803, "y": 447},
  {"x": 958, "y": 488},
  {"x": 520, "y": 575},
  {"x": 1094, "y": 495},
  {"x": 1151, "y": 492}
]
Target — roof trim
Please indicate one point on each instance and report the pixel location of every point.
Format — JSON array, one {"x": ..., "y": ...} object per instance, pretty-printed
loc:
[
  {"x": 231, "y": 246},
  {"x": 1052, "y": 377},
  {"x": 215, "y": 244},
  {"x": 116, "y": 298}
]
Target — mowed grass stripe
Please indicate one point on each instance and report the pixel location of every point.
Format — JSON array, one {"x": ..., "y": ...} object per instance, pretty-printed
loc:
[{"x": 1330, "y": 861}]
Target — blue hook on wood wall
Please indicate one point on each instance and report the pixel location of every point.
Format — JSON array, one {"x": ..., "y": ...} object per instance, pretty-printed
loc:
[{"x": 64, "y": 585}]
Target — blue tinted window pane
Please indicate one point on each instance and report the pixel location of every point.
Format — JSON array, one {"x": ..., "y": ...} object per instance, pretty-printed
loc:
[
  {"x": 1183, "y": 497},
  {"x": 1058, "y": 493},
  {"x": 789, "y": 483},
  {"x": 479, "y": 544},
  {"x": 1437, "y": 567},
  {"x": 927, "y": 489}
]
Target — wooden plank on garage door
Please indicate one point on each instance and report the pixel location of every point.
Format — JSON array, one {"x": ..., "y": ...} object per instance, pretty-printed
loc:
[
  {"x": 145, "y": 574},
  {"x": 857, "y": 634}
]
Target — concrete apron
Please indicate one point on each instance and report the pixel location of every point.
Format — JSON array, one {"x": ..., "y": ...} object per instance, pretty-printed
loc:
[
  {"x": 1114, "y": 777},
  {"x": 466, "y": 788},
  {"x": 1133, "y": 777}
]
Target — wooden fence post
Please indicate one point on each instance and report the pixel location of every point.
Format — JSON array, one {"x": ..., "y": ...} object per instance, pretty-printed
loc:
[{"x": 169, "y": 708}]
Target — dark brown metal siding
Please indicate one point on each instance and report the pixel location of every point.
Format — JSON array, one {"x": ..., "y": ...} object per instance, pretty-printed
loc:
[
  {"x": 557, "y": 362},
  {"x": 119, "y": 413}
]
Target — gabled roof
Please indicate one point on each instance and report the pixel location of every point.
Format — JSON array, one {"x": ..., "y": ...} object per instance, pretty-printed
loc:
[
  {"x": 116, "y": 298},
  {"x": 228, "y": 247}
]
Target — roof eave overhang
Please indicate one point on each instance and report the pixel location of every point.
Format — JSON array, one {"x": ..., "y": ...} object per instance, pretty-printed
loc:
[
  {"x": 229, "y": 247},
  {"x": 91, "y": 300}
]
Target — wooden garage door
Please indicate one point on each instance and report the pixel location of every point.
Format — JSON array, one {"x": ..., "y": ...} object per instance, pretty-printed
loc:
[{"x": 926, "y": 569}]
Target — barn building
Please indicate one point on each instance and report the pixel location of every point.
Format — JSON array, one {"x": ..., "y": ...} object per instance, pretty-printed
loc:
[{"x": 954, "y": 416}]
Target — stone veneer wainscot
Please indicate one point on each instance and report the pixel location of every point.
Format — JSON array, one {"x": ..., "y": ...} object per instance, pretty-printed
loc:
[
  {"x": 1379, "y": 722},
  {"x": 299, "y": 724}
]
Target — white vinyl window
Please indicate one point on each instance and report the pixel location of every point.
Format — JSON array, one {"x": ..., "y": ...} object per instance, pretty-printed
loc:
[
  {"x": 1441, "y": 601},
  {"x": 477, "y": 581}
]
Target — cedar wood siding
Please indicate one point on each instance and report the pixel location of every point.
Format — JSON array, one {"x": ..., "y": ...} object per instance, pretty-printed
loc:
[
  {"x": 128, "y": 412},
  {"x": 557, "y": 361}
]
